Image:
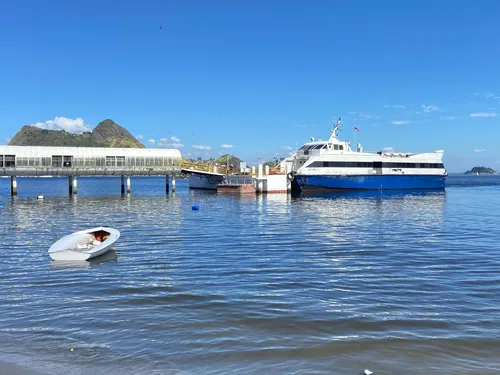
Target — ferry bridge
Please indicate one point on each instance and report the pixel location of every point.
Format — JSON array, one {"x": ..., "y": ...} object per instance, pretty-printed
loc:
[{"x": 89, "y": 161}]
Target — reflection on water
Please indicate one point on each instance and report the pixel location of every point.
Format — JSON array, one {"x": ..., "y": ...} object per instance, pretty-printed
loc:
[{"x": 109, "y": 256}]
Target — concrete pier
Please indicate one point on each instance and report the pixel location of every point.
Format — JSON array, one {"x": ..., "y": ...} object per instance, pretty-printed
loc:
[
  {"x": 70, "y": 162},
  {"x": 72, "y": 185},
  {"x": 13, "y": 185}
]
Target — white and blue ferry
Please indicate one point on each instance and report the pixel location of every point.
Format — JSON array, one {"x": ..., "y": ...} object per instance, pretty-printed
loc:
[{"x": 333, "y": 165}]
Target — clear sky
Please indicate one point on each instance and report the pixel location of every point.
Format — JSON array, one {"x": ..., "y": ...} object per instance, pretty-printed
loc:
[{"x": 256, "y": 78}]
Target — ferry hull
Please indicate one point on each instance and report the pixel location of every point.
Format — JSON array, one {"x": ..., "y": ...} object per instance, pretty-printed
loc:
[{"x": 368, "y": 182}]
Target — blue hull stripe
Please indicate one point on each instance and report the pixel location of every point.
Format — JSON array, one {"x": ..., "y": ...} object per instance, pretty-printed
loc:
[{"x": 369, "y": 182}]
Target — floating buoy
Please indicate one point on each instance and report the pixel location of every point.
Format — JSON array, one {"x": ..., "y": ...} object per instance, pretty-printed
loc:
[
  {"x": 40, "y": 197},
  {"x": 1, "y": 204},
  {"x": 367, "y": 372},
  {"x": 195, "y": 208}
]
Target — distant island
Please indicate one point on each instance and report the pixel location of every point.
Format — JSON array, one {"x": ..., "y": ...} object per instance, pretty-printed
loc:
[
  {"x": 481, "y": 170},
  {"x": 106, "y": 134}
]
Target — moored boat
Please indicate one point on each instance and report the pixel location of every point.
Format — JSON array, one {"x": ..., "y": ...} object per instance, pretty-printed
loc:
[
  {"x": 85, "y": 244},
  {"x": 333, "y": 165}
]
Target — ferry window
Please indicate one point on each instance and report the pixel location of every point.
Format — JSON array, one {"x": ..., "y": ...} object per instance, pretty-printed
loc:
[
  {"x": 56, "y": 161},
  {"x": 377, "y": 164},
  {"x": 110, "y": 161},
  {"x": 120, "y": 161},
  {"x": 341, "y": 147},
  {"x": 68, "y": 161},
  {"x": 1, "y": 161},
  {"x": 324, "y": 147},
  {"x": 100, "y": 162},
  {"x": 335, "y": 147},
  {"x": 31, "y": 162}
]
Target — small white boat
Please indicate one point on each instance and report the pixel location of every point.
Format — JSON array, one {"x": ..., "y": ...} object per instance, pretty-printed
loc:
[{"x": 85, "y": 244}]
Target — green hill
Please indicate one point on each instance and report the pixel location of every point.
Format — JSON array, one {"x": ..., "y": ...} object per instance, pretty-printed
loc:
[
  {"x": 106, "y": 134},
  {"x": 228, "y": 159}
]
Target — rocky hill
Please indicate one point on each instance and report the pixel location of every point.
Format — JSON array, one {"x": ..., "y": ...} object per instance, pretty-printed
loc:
[
  {"x": 481, "y": 170},
  {"x": 106, "y": 134},
  {"x": 229, "y": 159}
]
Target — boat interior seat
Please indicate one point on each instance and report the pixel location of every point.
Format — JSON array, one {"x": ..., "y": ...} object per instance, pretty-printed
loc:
[{"x": 83, "y": 239}]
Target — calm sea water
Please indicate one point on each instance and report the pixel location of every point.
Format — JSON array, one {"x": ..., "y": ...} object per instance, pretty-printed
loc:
[{"x": 399, "y": 283}]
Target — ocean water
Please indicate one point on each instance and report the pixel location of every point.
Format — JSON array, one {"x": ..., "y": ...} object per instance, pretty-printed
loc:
[{"x": 395, "y": 282}]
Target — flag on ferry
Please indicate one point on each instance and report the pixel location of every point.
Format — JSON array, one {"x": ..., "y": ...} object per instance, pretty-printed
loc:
[{"x": 355, "y": 128}]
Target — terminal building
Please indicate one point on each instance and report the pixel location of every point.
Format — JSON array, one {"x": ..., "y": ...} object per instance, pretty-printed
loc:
[{"x": 88, "y": 161}]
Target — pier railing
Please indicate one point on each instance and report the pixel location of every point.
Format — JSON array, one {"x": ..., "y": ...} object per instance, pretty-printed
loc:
[{"x": 238, "y": 179}]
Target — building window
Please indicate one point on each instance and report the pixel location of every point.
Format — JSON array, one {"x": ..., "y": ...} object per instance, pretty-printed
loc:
[
  {"x": 56, "y": 161},
  {"x": 10, "y": 161},
  {"x": 110, "y": 161},
  {"x": 46, "y": 161},
  {"x": 68, "y": 161},
  {"x": 120, "y": 161}
]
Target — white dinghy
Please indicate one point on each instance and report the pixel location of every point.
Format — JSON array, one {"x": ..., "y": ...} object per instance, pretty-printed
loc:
[{"x": 85, "y": 244}]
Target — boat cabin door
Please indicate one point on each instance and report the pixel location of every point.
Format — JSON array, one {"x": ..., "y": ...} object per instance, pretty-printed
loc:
[{"x": 377, "y": 167}]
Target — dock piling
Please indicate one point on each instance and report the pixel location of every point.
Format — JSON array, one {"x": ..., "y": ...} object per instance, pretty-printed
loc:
[
  {"x": 13, "y": 185},
  {"x": 72, "y": 185},
  {"x": 167, "y": 186},
  {"x": 128, "y": 184},
  {"x": 173, "y": 183}
]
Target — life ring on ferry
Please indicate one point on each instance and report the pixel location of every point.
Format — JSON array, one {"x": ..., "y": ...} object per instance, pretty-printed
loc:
[{"x": 290, "y": 176}]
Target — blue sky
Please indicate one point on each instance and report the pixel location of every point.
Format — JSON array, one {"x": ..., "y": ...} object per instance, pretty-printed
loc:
[{"x": 258, "y": 77}]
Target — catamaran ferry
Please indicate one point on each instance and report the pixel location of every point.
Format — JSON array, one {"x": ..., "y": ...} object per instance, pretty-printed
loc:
[{"x": 332, "y": 165}]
